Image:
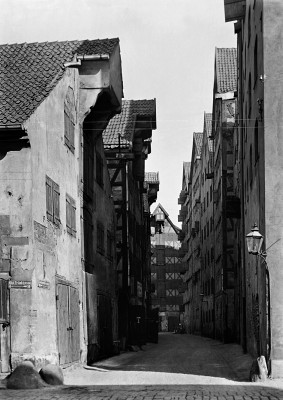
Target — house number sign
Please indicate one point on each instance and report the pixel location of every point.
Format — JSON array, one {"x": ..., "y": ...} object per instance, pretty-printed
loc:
[{"x": 19, "y": 284}]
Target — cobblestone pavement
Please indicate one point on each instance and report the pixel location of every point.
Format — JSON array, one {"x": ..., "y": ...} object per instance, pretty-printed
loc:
[
  {"x": 180, "y": 367},
  {"x": 180, "y": 392}
]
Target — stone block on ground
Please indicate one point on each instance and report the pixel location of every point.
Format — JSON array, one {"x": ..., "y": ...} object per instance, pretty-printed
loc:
[
  {"x": 52, "y": 374},
  {"x": 25, "y": 376}
]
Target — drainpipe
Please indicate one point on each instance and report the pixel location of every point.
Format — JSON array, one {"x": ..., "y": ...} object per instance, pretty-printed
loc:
[{"x": 242, "y": 193}]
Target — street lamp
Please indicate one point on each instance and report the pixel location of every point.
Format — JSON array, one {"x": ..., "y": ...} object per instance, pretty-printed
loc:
[{"x": 254, "y": 241}]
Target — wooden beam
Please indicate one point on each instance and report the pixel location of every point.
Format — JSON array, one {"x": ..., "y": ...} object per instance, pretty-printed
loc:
[{"x": 116, "y": 173}]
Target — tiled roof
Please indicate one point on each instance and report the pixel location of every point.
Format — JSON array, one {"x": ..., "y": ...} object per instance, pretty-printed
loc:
[
  {"x": 120, "y": 130},
  {"x": 151, "y": 177},
  {"x": 198, "y": 136},
  {"x": 226, "y": 69},
  {"x": 208, "y": 129},
  {"x": 29, "y": 71}
]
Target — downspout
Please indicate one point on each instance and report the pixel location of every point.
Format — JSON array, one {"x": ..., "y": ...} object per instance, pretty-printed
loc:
[{"x": 242, "y": 192}]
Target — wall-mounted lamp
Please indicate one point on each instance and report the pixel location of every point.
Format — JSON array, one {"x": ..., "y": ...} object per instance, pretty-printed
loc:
[{"x": 254, "y": 241}]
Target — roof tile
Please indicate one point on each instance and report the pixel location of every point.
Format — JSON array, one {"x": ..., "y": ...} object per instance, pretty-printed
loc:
[
  {"x": 29, "y": 71},
  {"x": 226, "y": 69},
  {"x": 120, "y": 130}
]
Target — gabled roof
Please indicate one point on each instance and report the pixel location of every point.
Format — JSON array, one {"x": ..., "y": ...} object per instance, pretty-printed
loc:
[
  {"x": 176, "y": 229},
  {"x": 29, "y": 71},
  {"x": 120, "y": 130},
  {"x": 208, "y": 129},
  {"x": 226, "y": 69},
  {"x": 198, "y": 136}
]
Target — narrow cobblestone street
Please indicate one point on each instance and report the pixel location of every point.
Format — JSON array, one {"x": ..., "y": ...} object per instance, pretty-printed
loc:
[{"x": 178, "y": 367}]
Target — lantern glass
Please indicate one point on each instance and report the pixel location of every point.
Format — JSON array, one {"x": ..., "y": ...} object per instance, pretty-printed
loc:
[{"x": 254, "y": 240}]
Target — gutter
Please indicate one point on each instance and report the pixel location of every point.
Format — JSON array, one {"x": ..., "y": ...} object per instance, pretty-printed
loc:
[
  {"x": 12, "y": 126},
  {"x": 86, "y": 57}
]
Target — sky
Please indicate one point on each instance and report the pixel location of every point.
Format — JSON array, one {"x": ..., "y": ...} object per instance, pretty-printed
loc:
[{"x": 167, "y": 51}]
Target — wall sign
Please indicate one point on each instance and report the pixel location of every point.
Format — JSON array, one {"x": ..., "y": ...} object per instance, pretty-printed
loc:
[
  {"x": 19, "y": 284},
  {"x": 44, "y": 285}
]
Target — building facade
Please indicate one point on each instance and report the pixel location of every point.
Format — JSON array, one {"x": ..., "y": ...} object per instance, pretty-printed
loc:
[
  {"x": 166, "y": 268},
  {"x": 258, "y": 141},
  {"x": 51, "y": 274},
  {"x": 127, "y": 143},
  {"x": 207, "y": 230},
  {"x": 225, "y": 204}
]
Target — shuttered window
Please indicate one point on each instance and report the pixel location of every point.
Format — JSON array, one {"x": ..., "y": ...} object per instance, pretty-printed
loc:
[
  {"x": 69, "y": 132},
  {"x": 52, "y": 201},
  {"x": 3, "y": 300},
  {"x": 69, "y": 119},
  {"x": 71, "y": 215}
]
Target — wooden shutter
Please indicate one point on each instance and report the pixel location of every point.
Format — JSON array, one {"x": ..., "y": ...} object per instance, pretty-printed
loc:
[
  {"x": 66, "y": 128},
  {"x": 56, "y": 203},
  {"x": 49, "y": 199},
  {"x": 68, "y": 215},
  {"x": 72, "y": 135},
  {"x": 3, "y": 300},
  {"x": 71, "y": 215}
]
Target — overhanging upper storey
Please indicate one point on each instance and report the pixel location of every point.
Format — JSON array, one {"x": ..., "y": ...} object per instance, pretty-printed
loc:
[
  {"x": 234, "y": 9},
  {"x": 128, "y": 134},
  {"x": 131, "y": 130}
]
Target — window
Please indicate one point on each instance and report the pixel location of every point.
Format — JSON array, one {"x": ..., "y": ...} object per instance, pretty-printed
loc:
[
  {"x": 69, "y": 120},
  {"x": 99, "y": 169},
  {"x": 69, "y": 132},
  {"x": 71, "y": 215},
  {"x": 172, "y": 292},
  {"x": 172, "y": 275},
  {"x": 3, "y": 300},
  {"x": 100, "y": 237},
  {"x": 160, "y": 256},
  {"x": 153, "y": 260},
  {"x": 153, "y": 276},
  {"x": 52, "y": 201}
]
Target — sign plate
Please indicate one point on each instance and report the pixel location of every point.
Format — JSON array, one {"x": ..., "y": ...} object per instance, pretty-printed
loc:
[
  {"x": 44, "y": 285},
  {"x": 19, "y": 284}
]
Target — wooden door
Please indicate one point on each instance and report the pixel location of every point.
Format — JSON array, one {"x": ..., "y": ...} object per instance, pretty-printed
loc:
[
  {"x": 67, "y": 299},
  {"x": 63, "y": 323},
  {"x": 74, "y": 322}
]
